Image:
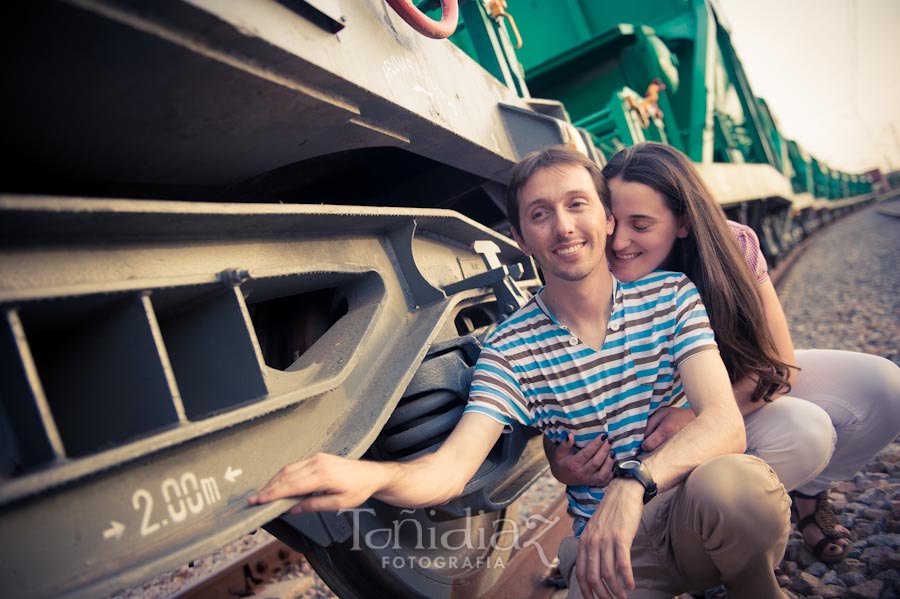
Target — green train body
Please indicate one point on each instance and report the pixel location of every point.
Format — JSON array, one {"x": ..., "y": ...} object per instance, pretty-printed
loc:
[{"x": 599, "y": 59}]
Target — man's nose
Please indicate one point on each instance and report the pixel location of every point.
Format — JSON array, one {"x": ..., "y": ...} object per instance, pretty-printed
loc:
[{"x": 565, "y": 224}]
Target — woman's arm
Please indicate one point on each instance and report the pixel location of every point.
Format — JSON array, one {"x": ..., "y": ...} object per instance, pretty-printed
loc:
[
  {"x": 778, "y": 326},
  {"x": 781, "y": 335}
]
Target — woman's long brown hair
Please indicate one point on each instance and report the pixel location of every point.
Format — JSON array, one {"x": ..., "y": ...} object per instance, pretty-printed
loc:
[{"x": 711, "y": 257}]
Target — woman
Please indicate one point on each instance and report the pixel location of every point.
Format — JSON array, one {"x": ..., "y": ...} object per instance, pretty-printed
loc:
[{"x": 816, "y": 416}]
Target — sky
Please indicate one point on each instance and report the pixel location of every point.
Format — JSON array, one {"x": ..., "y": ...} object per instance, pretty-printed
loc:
[{"x": 830, "y": 72}]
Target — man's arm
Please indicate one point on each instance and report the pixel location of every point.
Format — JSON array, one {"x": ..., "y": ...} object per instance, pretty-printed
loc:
[
  {"x": 666, "y": 422},
  {"x": 592, "y": 465},
  {"x": 717, "y": 429},
  {"x": 604, "y": 551},
  {"x": 341, "y": 483}
]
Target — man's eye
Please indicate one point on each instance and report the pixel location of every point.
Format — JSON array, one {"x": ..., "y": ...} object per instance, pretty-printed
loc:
[{"x": 537, "y": 215}]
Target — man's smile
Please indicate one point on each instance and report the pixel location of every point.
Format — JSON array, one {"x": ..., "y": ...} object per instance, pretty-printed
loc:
[{"x": 569, "y": 249}]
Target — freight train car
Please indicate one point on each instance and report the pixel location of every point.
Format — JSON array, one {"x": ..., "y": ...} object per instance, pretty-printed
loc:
[{"x": 236, "y": 233}]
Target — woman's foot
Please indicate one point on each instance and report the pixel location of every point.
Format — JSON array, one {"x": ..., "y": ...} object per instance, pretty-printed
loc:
[{"x": 814, "y": 515}]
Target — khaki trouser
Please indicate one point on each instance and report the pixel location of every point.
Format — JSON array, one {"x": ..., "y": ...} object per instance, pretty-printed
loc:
[{"x": 727, "y": 523}]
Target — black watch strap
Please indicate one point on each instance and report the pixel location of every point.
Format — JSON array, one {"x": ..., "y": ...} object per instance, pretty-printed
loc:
[{"x": 636, "y": 469}]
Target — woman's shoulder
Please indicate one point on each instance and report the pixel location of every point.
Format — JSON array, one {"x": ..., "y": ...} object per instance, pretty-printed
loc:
[
  {"x": 742, "y": 231},
  {"x": 748, "y": 242}
]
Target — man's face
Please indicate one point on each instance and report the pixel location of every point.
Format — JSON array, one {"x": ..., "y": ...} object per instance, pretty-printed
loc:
[{"x": 563, "y": 223}]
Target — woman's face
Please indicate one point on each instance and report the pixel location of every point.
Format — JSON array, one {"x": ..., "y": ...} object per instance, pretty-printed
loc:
[{"x": 645, "y": 230}]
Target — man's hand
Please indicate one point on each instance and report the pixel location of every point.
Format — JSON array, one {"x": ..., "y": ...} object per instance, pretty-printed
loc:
[
  {"x": 663, "y": 424},
  {"x": 603, "y": 565},
  {"x": 338, "y": 483},
  {"x": 591, "y": 466},
  {"x": 327, "y": 483}
]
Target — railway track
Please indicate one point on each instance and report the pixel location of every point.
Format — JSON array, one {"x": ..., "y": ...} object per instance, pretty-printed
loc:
[
  {"x": 276, "y": 571},
  {"x": 246, "y": 575}
]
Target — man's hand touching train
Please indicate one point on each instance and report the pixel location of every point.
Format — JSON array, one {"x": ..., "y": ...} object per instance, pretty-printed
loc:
[{"x": 326, "y": 483}]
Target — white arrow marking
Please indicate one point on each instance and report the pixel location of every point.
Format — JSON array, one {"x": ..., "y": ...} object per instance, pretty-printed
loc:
[
  {"x": 114, "y": 531},
  {"x": 231, "y": 475}
]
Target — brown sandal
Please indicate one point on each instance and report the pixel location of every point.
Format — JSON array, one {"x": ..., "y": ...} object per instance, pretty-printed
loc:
[{"x": 825, "y": 520}]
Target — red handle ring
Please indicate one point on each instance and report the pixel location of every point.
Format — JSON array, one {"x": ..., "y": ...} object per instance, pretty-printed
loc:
[{"x": 425, "y": 24}]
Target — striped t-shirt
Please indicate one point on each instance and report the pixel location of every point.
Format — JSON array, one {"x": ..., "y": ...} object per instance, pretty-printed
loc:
[{"x": 534, "y": 371}]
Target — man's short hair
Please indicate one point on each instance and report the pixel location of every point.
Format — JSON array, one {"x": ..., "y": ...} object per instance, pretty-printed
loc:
[{"x": 549, "y": 157}]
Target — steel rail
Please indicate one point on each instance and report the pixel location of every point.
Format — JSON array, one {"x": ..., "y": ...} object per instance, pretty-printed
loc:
[
  {"x": 259, "y": 571},
  {"x": 245, "y": 575}
]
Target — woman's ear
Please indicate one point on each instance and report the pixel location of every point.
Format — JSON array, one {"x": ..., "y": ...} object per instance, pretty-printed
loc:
[{"x": 684, "y": 229}]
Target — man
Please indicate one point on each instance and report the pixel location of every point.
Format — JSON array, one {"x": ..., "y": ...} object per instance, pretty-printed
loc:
[{"x": 594, "y": 357}]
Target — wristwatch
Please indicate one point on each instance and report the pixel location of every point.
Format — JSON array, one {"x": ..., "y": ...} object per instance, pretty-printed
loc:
[{"x": 634, "y": 468}]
